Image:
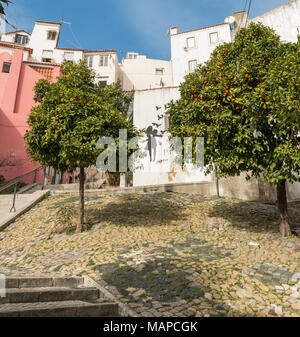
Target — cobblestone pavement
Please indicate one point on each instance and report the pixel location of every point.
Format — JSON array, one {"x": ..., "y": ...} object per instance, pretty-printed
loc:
[{"x": 167, "y": 254}]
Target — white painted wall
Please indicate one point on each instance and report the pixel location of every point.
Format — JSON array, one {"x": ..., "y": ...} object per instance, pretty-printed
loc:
[
  {"x": 107, "y": 73},
  {"x": 10, "y": 37},
  {"x": 141, "y": 73},
  {"x": 163, "y": 170},
  {"x": 39, "y": 41},
  {"x": 2, "y": 24},
  {"x": 181, "y": 54},
  {"x": 285, "y": 20}
]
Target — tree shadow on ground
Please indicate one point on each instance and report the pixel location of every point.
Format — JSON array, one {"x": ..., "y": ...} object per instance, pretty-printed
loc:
[
  {"x": 141, "y": 210},
  {"x": 255, "y": 216},
  {"x": 158, "y": 278}
]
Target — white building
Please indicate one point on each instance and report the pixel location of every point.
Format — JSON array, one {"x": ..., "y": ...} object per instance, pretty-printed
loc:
[
  {"x": 105, "y": 63},
  {"x": 137, "y": 72},
  {"x": 285, "y": 20},
  {"x": 2, "y": 24},
  {"x": 194, "y": 47}
]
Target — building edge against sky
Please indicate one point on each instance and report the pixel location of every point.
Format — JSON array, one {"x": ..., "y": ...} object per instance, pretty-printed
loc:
[{"x": 155, "y": 82}]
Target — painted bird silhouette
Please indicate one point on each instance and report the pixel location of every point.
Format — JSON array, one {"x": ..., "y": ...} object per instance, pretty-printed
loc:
[
  {"x": 160, "y": 117},
  {"x": 157, "y": 125},
  {"x": 167, "y": 106},
  {"x": 158, "y": 108}
]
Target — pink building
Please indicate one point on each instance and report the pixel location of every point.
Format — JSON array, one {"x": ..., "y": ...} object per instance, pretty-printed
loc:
[{"x": 17, "y": 81}]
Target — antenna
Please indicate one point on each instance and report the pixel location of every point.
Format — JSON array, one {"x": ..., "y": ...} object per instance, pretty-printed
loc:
[{"x": 70, "y": 27}]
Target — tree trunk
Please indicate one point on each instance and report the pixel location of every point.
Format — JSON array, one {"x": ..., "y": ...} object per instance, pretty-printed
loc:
[
  {"x": 285, "y": 228},
  {"x": 79, "y": 228}
]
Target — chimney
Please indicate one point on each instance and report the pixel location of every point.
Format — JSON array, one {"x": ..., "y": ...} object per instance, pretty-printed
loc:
[
  {"x": 241, "y": 19},
  {"x": 174, "y": 31}
]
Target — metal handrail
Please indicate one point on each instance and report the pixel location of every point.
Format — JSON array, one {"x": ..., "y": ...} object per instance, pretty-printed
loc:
[
  {"x": 18, "y": 179},
  {"x": 14, "y": 182}
]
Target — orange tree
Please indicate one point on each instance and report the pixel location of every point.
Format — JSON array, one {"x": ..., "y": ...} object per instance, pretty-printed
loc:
[
  {"x": 245, "y": 103},
  {"x": 72, "y": 115}
]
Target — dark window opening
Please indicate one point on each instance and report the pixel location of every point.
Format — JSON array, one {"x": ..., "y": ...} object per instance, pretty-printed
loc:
[
  {"x": 21, "y": 39},
  {"x": 6, "y": 67},
  {"x": 103, "y": 84},
  {"x": 51, "y": 35},
  {"x": 46, "y": 60}
]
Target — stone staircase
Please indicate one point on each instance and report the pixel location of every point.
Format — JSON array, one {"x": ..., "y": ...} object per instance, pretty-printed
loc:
[{"x": 53, "y": 297}]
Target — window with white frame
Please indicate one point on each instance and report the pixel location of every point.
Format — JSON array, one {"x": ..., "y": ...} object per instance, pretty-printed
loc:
[
  {"x": 214, "y": 38},
  {"x": 51, "y": 35},
  {"x": 192, "y": 65},
  {"x": 89, "y": 61},
  {"x": 68, "y": 56},
  {"x": 103, "y": 61},
  {"x": 47, "y": 56},
  {"x": 159, "y": 71},
  {"x": 21, "y": 39},
  {"x": 190, "y": 42},
  {"x": 132, "y": 56}
]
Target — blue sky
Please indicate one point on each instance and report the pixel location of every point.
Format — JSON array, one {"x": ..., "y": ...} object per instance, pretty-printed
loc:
[{"x": 130, "y": 25}]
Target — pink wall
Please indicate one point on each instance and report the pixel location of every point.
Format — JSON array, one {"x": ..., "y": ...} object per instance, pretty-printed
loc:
[{"x": 16, "y": 101}]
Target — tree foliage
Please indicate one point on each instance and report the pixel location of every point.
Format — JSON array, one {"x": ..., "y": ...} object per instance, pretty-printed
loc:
[
  {"x": 245, "y": 102},
  {"x": 2, "y": 3},
  {"x": 71, "y": 116}
]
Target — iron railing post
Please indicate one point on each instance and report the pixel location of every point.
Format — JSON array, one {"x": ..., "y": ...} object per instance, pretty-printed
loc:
[
  {"x": 44, "y": 177},
  {"x": 13, "y": 209}
]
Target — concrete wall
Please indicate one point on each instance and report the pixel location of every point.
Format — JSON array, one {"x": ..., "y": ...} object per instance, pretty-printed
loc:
[
  {"x": 150, "y": 114},
  {"x": 285, "y": 20},
  {"x": 181, "y": 54},
  {"x": 140, "y": 73}
]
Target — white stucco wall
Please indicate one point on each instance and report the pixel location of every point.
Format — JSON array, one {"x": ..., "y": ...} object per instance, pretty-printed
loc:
[
  {"x": 148, "y": 106},
  {"x": 181, "y": 55},
  {"x": 10, "y": 37},
  {"x": 140, "y": 73},
  {"x": 285, "y": 20},
  {"x": 38, "y": 41},
  {"x": 107, "y": 73},
  {"x": 26, "y": 54},
  {"x": 2, "y": 24}
]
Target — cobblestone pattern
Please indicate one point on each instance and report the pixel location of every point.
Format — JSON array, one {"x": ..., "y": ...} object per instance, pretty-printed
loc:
[{"x": 167, "y": 254}]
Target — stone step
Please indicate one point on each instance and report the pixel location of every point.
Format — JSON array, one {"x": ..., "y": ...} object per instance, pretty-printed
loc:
[
  {"x": 33, "y": 295},
  {"x": 60, "y": 309},
  {"x": 43, "y": 282}
]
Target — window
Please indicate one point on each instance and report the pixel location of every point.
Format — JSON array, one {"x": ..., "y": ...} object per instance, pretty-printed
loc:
[
  {"x": 159, "y": 71},
  {"x": 21, "y": 39},
  {"x": 214, "y": 38},
  {"x": 89, "y": 61},
  {"x": 47, "y": 56},
  {"x": 51, "y": 35},
  {"x": 103, "y": 61},
  {"x": 190, "y": 42},
  {"x": 68, "y": 56},
  {"x": 132, "y": 56},
  {"x": 103, "y": 84},
  {"x": 6, "y": 67},
  {"x": 192, "y": 65}
]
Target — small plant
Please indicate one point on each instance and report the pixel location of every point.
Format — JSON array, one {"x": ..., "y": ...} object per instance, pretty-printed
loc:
[{"x": 65, "y": 219}]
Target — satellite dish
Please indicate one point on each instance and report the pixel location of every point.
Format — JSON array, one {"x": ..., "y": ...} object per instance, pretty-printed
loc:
[{"x": 230, "y": 20}]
